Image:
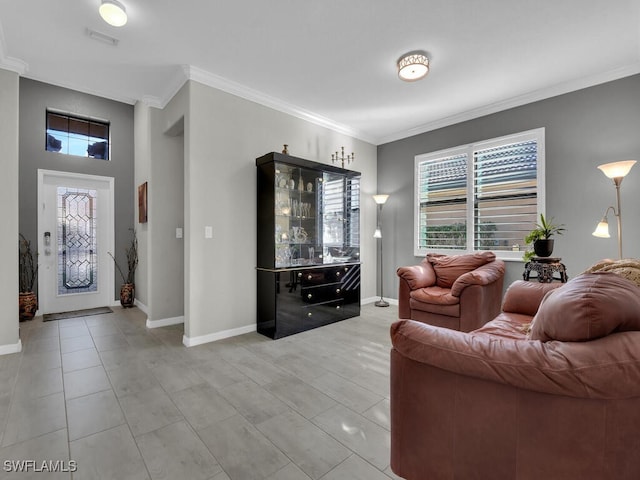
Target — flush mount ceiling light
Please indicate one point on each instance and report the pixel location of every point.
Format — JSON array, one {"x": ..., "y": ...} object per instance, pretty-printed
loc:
[
  {"x": 113, "y": 12},
  {"x": 413, "y": 66}
]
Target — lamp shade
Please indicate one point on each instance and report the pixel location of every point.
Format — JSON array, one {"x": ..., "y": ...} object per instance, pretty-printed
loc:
[
  {"x": 617, "y": 169},
  {"x": 602, "y": 230},
  {"x": 377, "y": 233},
  {"x": 380, "y": 199},
  {"x": 413, "y": 66},
  {"x": 113, "y": 12}
]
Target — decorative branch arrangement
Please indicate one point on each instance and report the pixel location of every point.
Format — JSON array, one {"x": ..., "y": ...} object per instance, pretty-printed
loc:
[
  {"x": 28, "y": 271},
  {"x": 132, "y": 261}
]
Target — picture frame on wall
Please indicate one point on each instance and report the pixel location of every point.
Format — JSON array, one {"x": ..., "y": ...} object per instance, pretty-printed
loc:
[{"x": 142, "y": 203}]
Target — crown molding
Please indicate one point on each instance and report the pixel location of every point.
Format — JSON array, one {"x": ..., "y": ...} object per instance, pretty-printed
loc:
[
  {"x": 83, "y": 89},
  {"x": 13, "y": 65},
  {"x": 215, "y": 81},
  {"x": 535, "y": 96},
  {"x": 9, "y": 63},
  {"x": 152, "y": 101},
  {"x": 173, "y": 86}
]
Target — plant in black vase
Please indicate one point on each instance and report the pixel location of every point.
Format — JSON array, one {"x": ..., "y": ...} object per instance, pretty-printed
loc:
[
  {"x": 28, "y": 272},
  {"x": 540, "y": 238},
  {"x": 128, "y": 288}
]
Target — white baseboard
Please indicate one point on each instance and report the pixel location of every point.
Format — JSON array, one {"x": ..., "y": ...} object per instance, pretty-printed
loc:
[
  {"x": 212, "y": 337},
  {"x": 164, "y": 322},
  {"x": 11, "y": 348},
  {"x": 365, "y": 301},
  {"x": 141, "y": 306}
]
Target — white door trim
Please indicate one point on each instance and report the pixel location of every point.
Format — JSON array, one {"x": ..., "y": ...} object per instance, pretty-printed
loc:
[{"x": 108, "y": 280}]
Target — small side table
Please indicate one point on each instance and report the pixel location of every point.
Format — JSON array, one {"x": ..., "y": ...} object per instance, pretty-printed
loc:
[{"x": 545, "y": 267}]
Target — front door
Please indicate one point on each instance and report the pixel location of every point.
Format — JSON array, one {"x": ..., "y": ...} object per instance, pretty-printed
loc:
[{"x": 75, "y": 232}]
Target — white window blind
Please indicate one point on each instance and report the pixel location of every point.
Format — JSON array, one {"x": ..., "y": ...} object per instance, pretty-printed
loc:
[
  {"x": 443, "y": 202},
  {"x": 353, "y": 205},
  {"x": 505, "y": 194},
  {"x": 341, "y": 200},
  {"x": 482, "y": 196},
  {"x": 333, "y": 211}
]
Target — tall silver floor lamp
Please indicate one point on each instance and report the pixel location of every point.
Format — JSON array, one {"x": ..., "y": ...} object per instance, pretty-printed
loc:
[{"x": 380, "y": 200}]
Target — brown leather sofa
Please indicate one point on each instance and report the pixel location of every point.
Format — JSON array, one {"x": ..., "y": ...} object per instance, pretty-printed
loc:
[
  {"x": 461, "y": 292},
  {"x": 559, "y": 402}
]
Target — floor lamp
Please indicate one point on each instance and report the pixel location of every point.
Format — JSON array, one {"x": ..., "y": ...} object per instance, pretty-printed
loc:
[
  {"x": 616, "y": 171},
  {"x": 380, "y": 200}
]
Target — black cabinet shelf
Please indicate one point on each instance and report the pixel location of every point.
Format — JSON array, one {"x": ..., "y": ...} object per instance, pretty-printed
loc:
[{"x": 308, "y": 244}]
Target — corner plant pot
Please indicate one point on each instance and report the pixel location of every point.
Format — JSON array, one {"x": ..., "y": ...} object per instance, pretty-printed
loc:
[
  {"x": 127, "y": 295},
  {"x": 28, "y": 304},
  {"x": 543, "y": 247}
]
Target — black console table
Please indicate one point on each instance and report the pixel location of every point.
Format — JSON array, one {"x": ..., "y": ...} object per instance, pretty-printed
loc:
[{"x": 545, "y": 268}]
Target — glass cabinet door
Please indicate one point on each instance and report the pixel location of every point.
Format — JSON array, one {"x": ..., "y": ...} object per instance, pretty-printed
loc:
[
  {"x": 296, "y": 210},
  {"x": 317, "y": 216},
  {"x": 339, "y": 206}
]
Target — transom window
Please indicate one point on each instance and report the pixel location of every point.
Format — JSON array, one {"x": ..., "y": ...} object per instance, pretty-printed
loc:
[
  {"x": 73, "y": 135},
  {"x": 482, "y": 196}
]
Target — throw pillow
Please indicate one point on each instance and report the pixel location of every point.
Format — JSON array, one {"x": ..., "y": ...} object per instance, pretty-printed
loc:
[
  {"x": 449, "y": 267},
  {"x": 590, "y": 306}
]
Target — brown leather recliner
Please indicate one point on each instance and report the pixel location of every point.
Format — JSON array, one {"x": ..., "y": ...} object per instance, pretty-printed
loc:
[
  {"x": 557, "y": 401},
  {"x": 461, "y": 292}
]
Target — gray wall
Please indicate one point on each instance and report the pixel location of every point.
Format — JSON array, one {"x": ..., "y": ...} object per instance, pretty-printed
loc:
[
  {"x": 159, "y": 160},
  {"x": 142, "y": 168},
  {"x": 584, "y": 129},
  {"x": 223, "y": 135},
  {"x": 166, "y": 213},
  {"x": 35, "y": 98},
  {"x": 9, "y": 88}
]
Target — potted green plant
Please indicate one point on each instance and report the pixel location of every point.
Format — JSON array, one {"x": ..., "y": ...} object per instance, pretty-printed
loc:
[
  {"x": 128, "y": 288},
  {"x": 540, "y": 238},
  {"x": 28, "y": 272}
]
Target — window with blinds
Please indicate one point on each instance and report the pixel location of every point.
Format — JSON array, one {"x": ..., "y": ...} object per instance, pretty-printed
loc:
[
  {"x": 443, "y": 202},
  {"x": 483, "y": 196},
  {"x": 73, "y": 135}
]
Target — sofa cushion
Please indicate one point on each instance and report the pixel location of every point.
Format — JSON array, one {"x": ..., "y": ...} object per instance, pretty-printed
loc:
[
  {"x": 449, "y": 267},
  {"x": 506, "y": 325},
  {"x": 605, "y": 368},
  {"x": 437, "y": 295},
  {"x": 590, "y": 306}
]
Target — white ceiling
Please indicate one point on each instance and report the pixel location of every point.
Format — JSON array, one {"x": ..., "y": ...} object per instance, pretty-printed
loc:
[{"x": 331, "y": 61}]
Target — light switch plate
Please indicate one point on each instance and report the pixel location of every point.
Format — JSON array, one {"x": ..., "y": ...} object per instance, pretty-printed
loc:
[
  {"x": 208, "y": 232},
  {"x": 178, "y": 232}
]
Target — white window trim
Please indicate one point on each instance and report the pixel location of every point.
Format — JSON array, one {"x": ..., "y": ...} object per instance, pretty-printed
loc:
[{"x": 538, "y": 134}]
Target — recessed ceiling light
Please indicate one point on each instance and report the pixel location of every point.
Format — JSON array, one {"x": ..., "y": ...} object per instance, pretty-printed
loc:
[
  {"x": 113, "y": 12},
  {"x": 413, "y": 66}
]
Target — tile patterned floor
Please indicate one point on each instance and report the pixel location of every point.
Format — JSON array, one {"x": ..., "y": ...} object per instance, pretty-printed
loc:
[{"x": 125, "y": 402}]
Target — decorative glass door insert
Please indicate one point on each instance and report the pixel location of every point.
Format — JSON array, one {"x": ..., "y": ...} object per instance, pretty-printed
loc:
[{"x": 77, "y": 240}]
